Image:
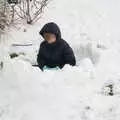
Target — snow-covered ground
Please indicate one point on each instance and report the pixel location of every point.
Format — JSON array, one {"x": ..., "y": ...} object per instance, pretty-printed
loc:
[{"x": 73, "y": 93}]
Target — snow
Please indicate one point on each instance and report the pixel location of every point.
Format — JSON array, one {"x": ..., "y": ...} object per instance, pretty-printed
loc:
[
  {"x": 73, "y": 93},
  {"x": 68, "y": 94}
]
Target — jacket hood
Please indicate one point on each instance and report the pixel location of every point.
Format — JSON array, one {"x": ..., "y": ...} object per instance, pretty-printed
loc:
[{"x": 51, "y": 28}]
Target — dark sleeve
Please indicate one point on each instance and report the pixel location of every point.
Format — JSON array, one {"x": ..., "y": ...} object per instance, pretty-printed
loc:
[
  {"x": 40, "y": 58},
  {"x": 68, "y": 55}
]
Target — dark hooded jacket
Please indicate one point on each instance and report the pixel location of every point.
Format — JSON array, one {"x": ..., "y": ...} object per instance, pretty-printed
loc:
[{"x": 55, "y": 54}]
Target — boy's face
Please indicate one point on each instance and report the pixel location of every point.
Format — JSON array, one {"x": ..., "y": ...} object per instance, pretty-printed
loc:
[{"x": 51, "y": 38}]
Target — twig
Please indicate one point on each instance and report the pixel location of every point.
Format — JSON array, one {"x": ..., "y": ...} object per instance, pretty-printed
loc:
[{"x": 22, "y": 44}]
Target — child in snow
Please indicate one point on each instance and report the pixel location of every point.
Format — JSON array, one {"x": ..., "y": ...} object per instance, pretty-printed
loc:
[{"x": 54, "y": 51}]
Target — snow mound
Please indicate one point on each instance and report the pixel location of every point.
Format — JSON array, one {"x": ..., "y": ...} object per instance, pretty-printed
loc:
[{"x": 68, "y": 94}]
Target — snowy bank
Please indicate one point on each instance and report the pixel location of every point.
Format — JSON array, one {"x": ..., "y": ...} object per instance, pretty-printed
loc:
[{"x": 69, "y": 94}]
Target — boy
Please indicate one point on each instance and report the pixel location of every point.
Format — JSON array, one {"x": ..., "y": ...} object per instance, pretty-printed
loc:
[{"x": 54, "y": 51}]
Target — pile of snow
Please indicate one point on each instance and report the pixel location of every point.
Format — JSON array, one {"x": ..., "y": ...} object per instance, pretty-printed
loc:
[
  {"x": 69, "y": 94},
  {"x": 73, "y": 93}
]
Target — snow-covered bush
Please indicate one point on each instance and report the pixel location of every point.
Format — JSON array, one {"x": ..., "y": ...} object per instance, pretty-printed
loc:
[
  {"x": 5, "y": 16},
  {"x": 17, "y": 10},
  {"x": 28, "y": 10}
]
